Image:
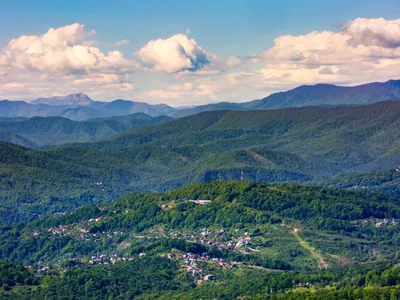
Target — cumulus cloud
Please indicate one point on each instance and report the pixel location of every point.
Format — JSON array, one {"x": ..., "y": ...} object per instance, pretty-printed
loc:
[
  {"x": 374, "y": 32},
  {"x": 178, "y": 71},
  {"x": 121, "y": 42},
  {"x": 90, "y": 42},
  {"x": 200, "y": 90},
  {"x": 63, "y": 60},
  {"x": 175, "y": 54},
  {"x": 364, "y": 50},
  {"x": 233, "y": 61},
  {"x": 326, "y": 70},
  {"x": 61, "y": 50},
  {"x": 98, "y": 79}
]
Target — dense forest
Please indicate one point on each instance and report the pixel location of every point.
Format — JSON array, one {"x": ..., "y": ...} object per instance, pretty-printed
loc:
[
  {"x": 158, "y": 278},
  {"x": 39, "y": 131},
  {"x": 384, "y": 182}
]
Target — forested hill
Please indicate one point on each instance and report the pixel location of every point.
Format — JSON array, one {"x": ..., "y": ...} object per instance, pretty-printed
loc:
[
  {"x": 360, "y": 122},
  {"x": 384, "y": 182},
  {"x": 336, "y": 139},
  {"x": 297, "y": 144},
  {"x": 246, "y": 239},
  {"x": 241, "y": 205},
  {"x": 45, "y": 131}
]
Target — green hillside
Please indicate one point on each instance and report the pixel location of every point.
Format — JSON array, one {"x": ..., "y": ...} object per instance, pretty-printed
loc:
[
  {"x": 40, "y": 131},
  {"x": 336, "y": 139},
  {"x": 311, "y": 144},
  {"x": 325, "y": 221},
  {"x": 34, "y": 183},
  {"x": 281, "y": 241},
  {"x": 16, "y": 139},
  {"x": 384, "y": 182}
]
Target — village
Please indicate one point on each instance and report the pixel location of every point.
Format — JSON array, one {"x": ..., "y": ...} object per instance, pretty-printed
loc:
[
  {"x": 377, "y": 223},
  {"x": 229, "y": 240}
]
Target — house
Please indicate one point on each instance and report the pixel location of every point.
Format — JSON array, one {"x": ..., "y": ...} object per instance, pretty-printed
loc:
[
  {"x": 208, "y": 277},
  {"x": 202, "y": 202}
]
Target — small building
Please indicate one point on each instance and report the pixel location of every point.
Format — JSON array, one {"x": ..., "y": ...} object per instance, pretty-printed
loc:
[
  {"x": 200, "y": 201},
  {"x": 208, "y": 277}
]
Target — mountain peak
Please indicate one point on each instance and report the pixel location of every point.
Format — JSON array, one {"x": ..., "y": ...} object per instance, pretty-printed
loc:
[{"x": 80, "y": 99}]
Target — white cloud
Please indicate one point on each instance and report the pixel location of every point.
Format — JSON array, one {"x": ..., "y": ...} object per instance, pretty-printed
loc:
[
  {"x": 365, "y": 50},
  {"x": 121, "y": 42},
  {"x": 374, "y": 32},
  {"x": 61, "y": 50},
  {"x": 178, "y": 71},
  {"x": 175, "y": 54},
  {"x": 97, "y": 79},
  {"x": 90, "y": 43},
  {"x": 63, "y": 61},
  {"x": 200, "y": 90},
  {"x": 233, "y": 61}
]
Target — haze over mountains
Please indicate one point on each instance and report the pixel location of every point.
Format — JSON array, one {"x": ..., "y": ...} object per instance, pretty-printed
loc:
[
  {"x": 79, "y": 99},
  {"x": 80, "y": 107},
  {"x": 46, "y": 131}
]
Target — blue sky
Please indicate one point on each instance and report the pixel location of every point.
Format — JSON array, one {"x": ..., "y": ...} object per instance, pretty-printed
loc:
[{"x": 245, "y": 30}]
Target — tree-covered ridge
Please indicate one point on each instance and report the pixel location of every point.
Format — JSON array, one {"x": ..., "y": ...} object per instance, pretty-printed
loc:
[
  {"x": 35, "y": 182},
  {"x": 158, "y": 278},
  {"x": 288, "y": 145},
  {"x": 338, "y": 225},
  {"x": 281, "y": 241},
  {"x": 40, "y": 131},
  {"x": 384, "y": 182}
]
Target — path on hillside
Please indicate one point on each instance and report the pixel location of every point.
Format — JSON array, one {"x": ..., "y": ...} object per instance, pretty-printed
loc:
[
  {"x": 262, "y": 159},
  {"x": 322, "y": 264}
]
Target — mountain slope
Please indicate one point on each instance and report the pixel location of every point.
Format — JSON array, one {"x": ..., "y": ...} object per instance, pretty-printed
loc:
[
  {"x": 310, "y": 95},
  {"x": 13, "y": 109},
  {"x": 250, "y": 240},
  {"x": 341, "y": 138},
  {"x": 56, "y": 130},
  {"x": 178, "y": 113},
  {"x": 12, "y": 138},
  {"x": 122, "y": 107},
  {"x": 286, "y": 145},
  {"x": 384, "y": 182},
  {"x": 326, "y": 94},
  {"x": 315, "y": 141},
  {"x": 323, "y": 220}
]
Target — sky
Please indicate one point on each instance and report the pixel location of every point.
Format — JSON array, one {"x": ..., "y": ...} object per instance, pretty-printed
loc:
[{"x": 193, "y": 52}]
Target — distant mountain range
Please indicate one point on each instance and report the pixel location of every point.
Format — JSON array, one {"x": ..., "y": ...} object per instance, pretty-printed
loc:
[
  {"x": 45, "y": 131},
  {"x": 80, "y": 107}
]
